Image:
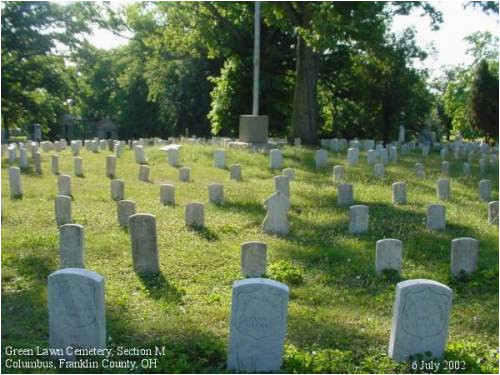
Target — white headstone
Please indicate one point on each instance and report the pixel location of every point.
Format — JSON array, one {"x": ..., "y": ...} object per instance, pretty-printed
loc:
[
  {"x": 258, "y": 326},
  {"x": 111, "y": 166},
  {"x": 184, "y": 174},
  {"x": 493, "y": 212},
  {"x": 371, "y": 157},
  {"x": 275, "y": 159},
  {"x": 358, "y": 219},
  {"x": 142, "y": 229},
  {"x": 289, "y": 172},
  {"x": 55, "y": 164},
  {"x": 282, "y": 184},
  {"x": 443, "y": 189},
  {"x": 71, "y": 246},
  {"x": 345, "y": 195},
  {"x": 23, "y": 158},
  {"x": 64, "y": 185},
  {"x": 378, "y": 170},
  {"x": 420, "y": 318},
  {"x": 117, "y": 190},
  {"x": 125, "y": 209},
  {"x": 253, "y": 259},
  {"x": 63, "y": 210},
  {"x": 235, "y": 172},
  {"x": 220, "y": 158},
  {"x": 140, "y": 157},
  {"x": 436, "y": 217},
  {"x": 276, "y": 221},
  {"x": 464, "y": 253},
  {"x": 78, "y": 166},
  {"x": 216, "y": 193},
  {"x": 321, "y": 158},
  {"x": 167, "y": 194},
  {"x": 16, "y": 190},
  {"x": 144, "y": 173},
  {"x": 485, "y": 190},
  {"x": 338, "y": 173},
  {"x": 195, "y": 215},
  {"x": 399, "y": 193},
  {"x": 388, "y": 255},
  {"x": 352, "y": 156},
  {"x": 37, "y": 160}
]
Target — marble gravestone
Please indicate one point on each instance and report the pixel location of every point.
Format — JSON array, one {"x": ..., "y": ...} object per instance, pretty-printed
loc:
[
  {"x": 63, "y": 210},
  {"x": 167, "y": 194},
  {"x": 23, "y": 158},
  {"x": 378, "y": 170},
  {"x": 371, "y": 157},
  {"x": 282, "y": 184},
  {"x": 289, "y": 172},
  {"x": 16, "y": 190},
  {"x": 54, "y": 159},
  {"x": 275, "y": 159},
  {"x": 485, "y": 190},
  {"x": 338, "y": 173},
  {"x": 436, "y": 217},
  {"x": 493, "y": 212},
  {"x": 358, "y": 219},
  {"x": 71, "y": 246},
  {"x": 253, "y": 259},
  {"x": 388, "y": 255},
  {"x": 78, "y": 166},
  {"x": 399, "y": 192},
  {"x": 420, "y": 318},
  {"x": 143, "y": 237},
  {"x": 235, "y": 172},
  {"x": 216, "y": 193},
  {"x": 419, "y": 170},
  {"x": 466, "y": 169},
  {"x": 76, "y": 310},
  {"x": 117, "y": 190},
  {"x": 464, "y": 252},
  {"x": 111, "y": 166},
  {"x": 220, "y": 158},
  {"x": 140, "y": 157},
  {"x": 276, "y": 221},
  {"x": 321, "y": 158},
  {"x": 195, "y": 215},
  {"x": 345, "y": 195},
  {"x": 64, "y": 185},
  {"x": 352, "y": 156},
  {"x": 258, "y": 325},
  {"x": 443, "y": 189},
  {"x": 125, "y": 209},
  {"x": 184, "y": 174},
  {"x": 37, "y": 160},
  {"x": 144, "y": 173}
]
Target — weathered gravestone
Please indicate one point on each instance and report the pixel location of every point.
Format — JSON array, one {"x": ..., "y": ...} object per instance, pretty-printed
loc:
[
  {"x": 388, "y": 255},
  {"x": 321, "y": 158},
  {"x": 111, "y": 166},
  {"x": 445, "y": 168},
  {"x": 78, "y": 166},
  {"x": 37, "y": 160},
  {"x": 167, "y": 194},
  {"x": 63, "y": 210},
  {"x": 142, "y": 229},
  {"x": 140, "y": 157},
  {"x": 420, "y": 318},
  {"x": 399, "y": 193},
  {"x": 71, "y": 246},
  {"x": 220, "y": 158},
  {"x": 173, "y": 156},
  {"x": 258, "y": 325},
  {"x": 235, "y": 172},
  {"x": 485, "y": 190},
  {"x": 463, "y": 256},
  {"x": 118, "y": 149},
  {"x": 275, "y": 159},
  {"x": 54, "y": 159},
  {"x": 184, "y": 174},
  {"x": 371, "y": 157},
  {"x": 195, "y": 215},
  {"x": 338, "y": 173},
  {"x": 253, "y": 259},
  {"x": 436, "y": 217},
  {"x": 282, "y": 184},
  {"x": 378, "y": 170},
  {"x": 276, "y": 221},
  {"x": 443, "y": 189},
  {"x": 466, "y": 169},
  {"x": 117, "y": 190},
  {"x": 345, "y": 195},
  {"x": 12, "y": 154},
  {"x": 125, "y": 209},
  {"x": 64, "y": 185},
  {"x": 16, "y": 190},
  {"x": 144, "y": 173},
  {"x": 358, "y": 219},
  {"x": 289, "y": 172},
  {"x": 493, "y": 212},
  {"x": 76, "y": 310},
  {"x": 297, "y": 142},
  {"x": 352, "y": 156},
  {"x": 216, "y": 193},
  {"x": 23, "y": 158},
  {"x": 419, "y": 170}
]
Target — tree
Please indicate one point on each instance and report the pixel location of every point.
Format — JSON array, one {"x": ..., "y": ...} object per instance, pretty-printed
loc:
[{"x": 483, "y": 102}]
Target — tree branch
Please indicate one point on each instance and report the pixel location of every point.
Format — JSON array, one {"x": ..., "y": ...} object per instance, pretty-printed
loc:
[
  {"x": 225, "y": 22},
  {"x": 291, "y": 13}
]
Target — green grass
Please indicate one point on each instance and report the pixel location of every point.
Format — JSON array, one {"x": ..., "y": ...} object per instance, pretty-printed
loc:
[{"x": 339, "y": 310}]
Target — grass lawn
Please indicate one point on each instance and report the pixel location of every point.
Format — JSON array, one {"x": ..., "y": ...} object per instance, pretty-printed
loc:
[{"x": 339, "y": 315}]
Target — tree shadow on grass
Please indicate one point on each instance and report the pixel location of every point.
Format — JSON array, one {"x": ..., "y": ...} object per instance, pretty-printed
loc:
[
  {"x": 34, "y": 267},
  {"x": 205, "y": 233},
  {"x": 253, "y": 209},
  {"x": 159, "y": 287}
]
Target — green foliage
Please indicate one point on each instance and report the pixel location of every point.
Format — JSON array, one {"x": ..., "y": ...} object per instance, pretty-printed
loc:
[{"x": 286, "y": 272}]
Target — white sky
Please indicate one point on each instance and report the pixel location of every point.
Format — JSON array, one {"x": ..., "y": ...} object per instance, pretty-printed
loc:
[{"x": 448, "y": 40}]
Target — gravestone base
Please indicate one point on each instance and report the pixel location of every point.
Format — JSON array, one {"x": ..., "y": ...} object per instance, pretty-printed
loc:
[{"x": 254, "y": 129}]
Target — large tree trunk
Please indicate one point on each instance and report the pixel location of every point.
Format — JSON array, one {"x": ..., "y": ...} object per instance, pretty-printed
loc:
[{"x": 305, "y": 108}]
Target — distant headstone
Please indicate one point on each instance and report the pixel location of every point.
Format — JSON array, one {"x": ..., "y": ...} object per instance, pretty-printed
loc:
[
  {"x": 464, "y": 253},
  {"x": 371, "y": 157},
  {"x": 436, "y": 217},
  {"x": 420, "y": 318},
  {"x": 184, "y": 174},
  {"x": 144, "y": 173},
  {"x": 466, "y": 169},
  {"x": 140, "y": 157},
  {"x": 111, "y": 166},
  {"x": 345, "y": 195},
  {"x": 167, "y": 194},
  {"x": 125, "y": 209},
  {"x": 443, "y": 189},
  {"x": 378, "y": 170},
  {"x": 71, "y": 246},
  {"x": 55, "y": 164},
  {"x": 253, "y": 259},
  {"x": 282, "y": 184},
  {"x": 401, "y": 137},
  {"x": 358, "y": 219},
  {"x": 388, "y": 255},
  {"x": 216, "y": 193},
  {"x": 275, "y": 159},
  {"x": 23, "y": 158},
  {"x": 419, "y": 170},
  {"x": 338, "y": 173},
  {"x": 37, "y": 160},
  {"x": 235, "y": 172},
  {"x": 117, "y": 190},
  {"x": 297, "y": 142},
  {"x": 399, "y": 193},
  {"x": 78, "y": 166},
  {"x": 195, "y": 215},
  {"x": 118, "y": 149},
  {"x": 258, "y": 326},
  {"x": 321, "y": 158},
  {"x": 493, "y": 212},
  {"x": 76, "y": 310},
  {"x": 142, "y": 229},
  {"x": 16, "y": 190},
  {"x": 276, "y": 221},
  {"x": 64, "y": 185},
  {"x": 445, "y": 168},
  {"x": 63, "y": 210},
  {"x": 289, "y": 172},
  {"x": 485, "y": 190},
  {"x": 220, "y": 158},
  {"x": 352, "y": 156}
]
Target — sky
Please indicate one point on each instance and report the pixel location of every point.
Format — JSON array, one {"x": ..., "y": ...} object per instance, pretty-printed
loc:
[{"x": 448, "y": 40}]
